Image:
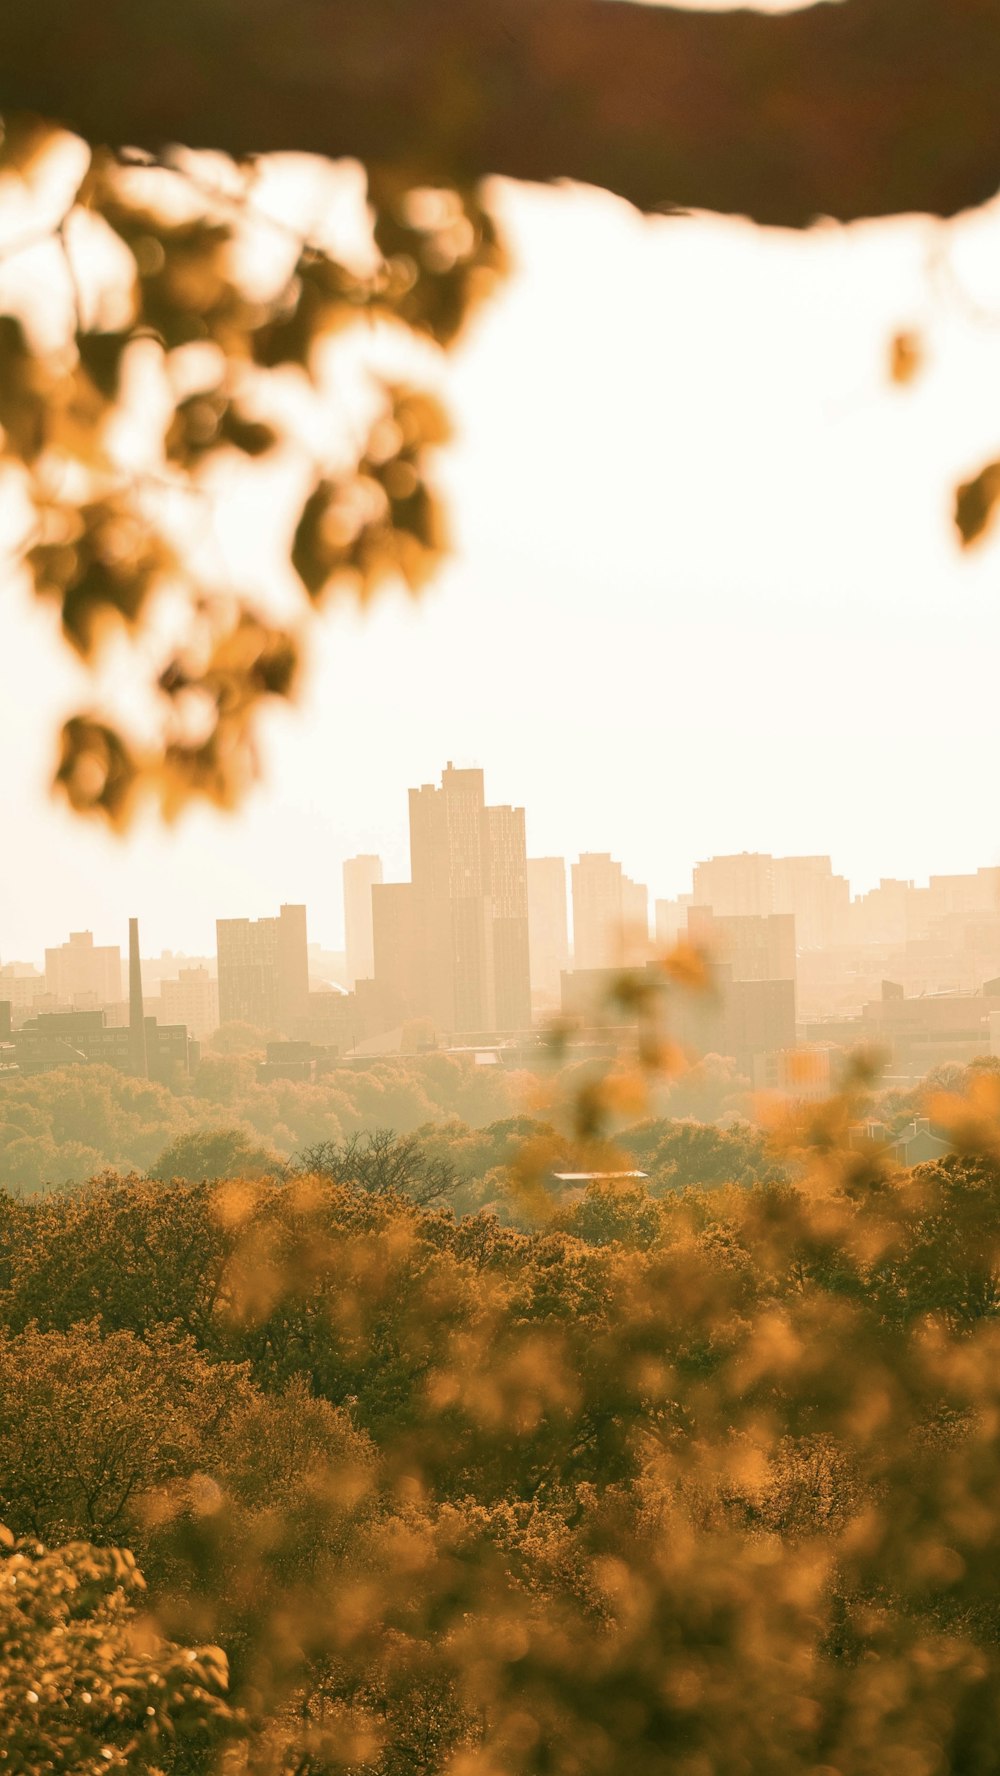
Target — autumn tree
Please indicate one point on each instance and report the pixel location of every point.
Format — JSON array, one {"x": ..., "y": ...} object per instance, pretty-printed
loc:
[{"x": 87, "y": 1684}]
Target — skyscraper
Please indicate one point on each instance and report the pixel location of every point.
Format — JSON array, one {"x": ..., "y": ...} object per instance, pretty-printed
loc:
[
  {"x": 635, "y": 917},
  {"x": 397, "y": 974},
  {"x": 548, "y": 925},
  {"x": 508, "y": 889},
  {"x": 263, "y": 970},
  {"x": 598, "y": 911},
  {"x": 192, "y": 1000},
  {"x": 756, "y": 947},
  {"x": 361, "y": 874},
  {"x": 736, "y": 885},
  {"x": 755, "y": 883},
  {"x": 137, "y": 1057},
  {"x": 459, "y": 938},
  {"x": 84, "y": 974},
  {"x": 819, "y": 900}
]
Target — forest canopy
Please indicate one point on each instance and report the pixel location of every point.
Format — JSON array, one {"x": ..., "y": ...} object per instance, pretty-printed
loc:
[{"x": 703, "y": 1481}]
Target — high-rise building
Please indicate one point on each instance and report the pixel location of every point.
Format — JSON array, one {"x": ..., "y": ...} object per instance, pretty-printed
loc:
[
  {"x": 818, "y": 900},
  {"x": 82, "y": 973},
  {"x": 671, "y": 920},
  {"x": 263, "y": 970},
  {"x": 455, "y": 938},
  {"x": 193, "y": 1000},
  {"x": 598, "y": 911},
  {"x": 397, "y": 973},
  {"x": 635, "y": 917},
  {"x": 508, "y": 892},
  {"x": 883, "y": 915},
  {"x": 21, "y": 986},
  {"x": 754, "y": 884},
  {"x": 548, "y": 924},
  {"x": 756, "y": 948},
  {"x": 138, "y": 1062},
  {"x": 736, "y": 885},
  {"x": 361, "y": 875}
]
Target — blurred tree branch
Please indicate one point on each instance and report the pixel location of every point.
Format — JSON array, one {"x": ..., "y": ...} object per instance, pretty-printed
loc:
[{"x": 847, "y": 109}]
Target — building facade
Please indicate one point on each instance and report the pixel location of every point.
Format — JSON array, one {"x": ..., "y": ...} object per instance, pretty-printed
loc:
[
  {"x": 263, "y": 967},
  {"x": 754, "y": 884},
  {"x": 82, "y": 973},
  {"x": 191, "y": 999},
  {"x": 548, "y": 925},
  {"x": 361, "y": 875},
  {"x": 757, "y": 947},
  {"x": 598, "y": 915},
  {"x": 452, "y": 943}
]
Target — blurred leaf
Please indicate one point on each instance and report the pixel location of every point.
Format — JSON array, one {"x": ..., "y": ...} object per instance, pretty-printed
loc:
[
  {"x": 25, "y": 143},
  {"x": 25, "y": 392},
  {"x": 906, "y": 358},
  {"x": 976, "y": 502},
  {"x": 101, "y": 355},
  {"x": 97, "y": 770}
]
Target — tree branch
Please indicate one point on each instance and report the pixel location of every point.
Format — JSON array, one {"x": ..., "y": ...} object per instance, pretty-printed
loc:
[{"x": 862, "y": 108}]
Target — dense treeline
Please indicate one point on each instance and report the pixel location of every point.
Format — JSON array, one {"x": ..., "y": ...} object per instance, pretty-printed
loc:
[
  {"x": 66, "y": 1126},
  {"x": 690, "y": 1482}
]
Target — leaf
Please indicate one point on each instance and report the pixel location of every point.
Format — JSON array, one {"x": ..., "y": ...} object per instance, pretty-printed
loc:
[
  {"x": 975, "y": 503},
  {"x": 101, "y": 355},
  {"x": 250, "y": 436},
  {"x": 209, "y": 419},
  {"x": 25, "y": 392},
  {"x": 25, "y": 144},
  {"x": 109, "y": 569},
  {"x": 906, "y": 358},
  {"x": 97, "y": 770}
]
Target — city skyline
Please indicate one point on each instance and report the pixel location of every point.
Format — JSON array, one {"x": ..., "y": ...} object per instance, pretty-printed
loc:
[
  {"x": 256, "y": 909},
  {"x": 472, "y": 949}
]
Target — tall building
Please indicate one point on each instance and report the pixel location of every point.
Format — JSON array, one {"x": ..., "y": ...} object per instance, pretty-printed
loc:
[
  {"x": 598, "y": 911},
  {"x": 742, "y": 1019},
  {"x": 361, "y": 875},
  {"x": 138, "y": 1062},
  {"x": 454, "y": 939},
  {"x": 756, "y": 948},
  {"x": 754, "y": 884},
  {"x": 83, "y": 973},
  {"x": 263, "y": 970},
  {"x": 818, "y": 900},
  {"x": 394, "y": 937},
  {"x": 193, "y": 1000},
  {"x": 21, "y": 986},
  {"x": 548, "y": 924},
  {"x": 635, "y": 917},
  {"x": 736, "y": 885},
  {"x": 883, "y": 915},
  {"x": 508, "y": 891},
  {"x": 671, "y": 920}
]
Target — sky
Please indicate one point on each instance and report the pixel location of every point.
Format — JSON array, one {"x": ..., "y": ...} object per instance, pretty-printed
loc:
[{"x": 705, "y": 596}]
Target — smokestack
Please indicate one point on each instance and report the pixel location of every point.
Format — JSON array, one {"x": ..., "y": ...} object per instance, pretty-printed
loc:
[{"x": 136, "y": 1016}]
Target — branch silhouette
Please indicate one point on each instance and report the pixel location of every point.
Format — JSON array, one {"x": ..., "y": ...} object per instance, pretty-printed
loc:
[{"x": 848, "y": 108}]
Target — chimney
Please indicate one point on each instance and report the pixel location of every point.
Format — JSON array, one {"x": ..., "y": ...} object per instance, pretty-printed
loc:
[{"x": 136, "y": 1015}]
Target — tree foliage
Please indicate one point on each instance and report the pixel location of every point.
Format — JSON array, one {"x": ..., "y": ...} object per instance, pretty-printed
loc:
[
  {"x": 190, "y": 345},
  {"x": 87, "y": 1684},
  {"x": 700, "y": 1479}
]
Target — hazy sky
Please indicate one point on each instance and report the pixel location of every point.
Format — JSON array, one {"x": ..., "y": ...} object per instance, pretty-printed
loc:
[{"x": 706, "y": 596}]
